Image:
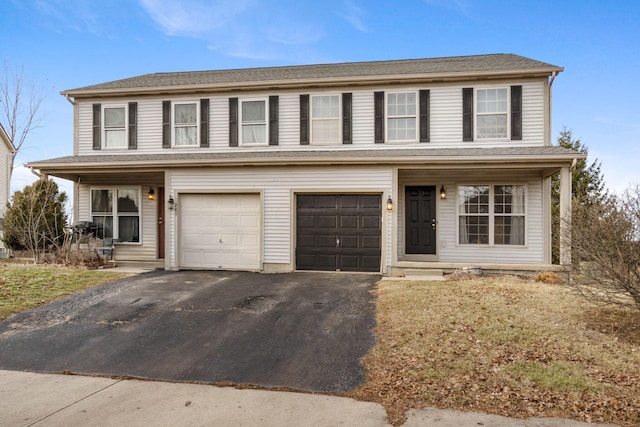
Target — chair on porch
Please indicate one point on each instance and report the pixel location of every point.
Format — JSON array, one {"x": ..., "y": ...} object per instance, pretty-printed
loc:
[{"x": 107, "y": 248}]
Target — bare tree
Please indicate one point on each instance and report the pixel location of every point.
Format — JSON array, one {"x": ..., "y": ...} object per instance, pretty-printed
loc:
[
  {"x": 35, "y": 219},
  {"x": 19, "y": 106},
  {"x": 605, "y": 247}
]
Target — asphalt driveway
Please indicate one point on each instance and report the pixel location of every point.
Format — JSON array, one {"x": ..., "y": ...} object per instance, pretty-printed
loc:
[{"x": 304, "y": 331}]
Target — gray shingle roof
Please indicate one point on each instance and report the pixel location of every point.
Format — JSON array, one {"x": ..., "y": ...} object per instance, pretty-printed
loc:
[
  {"x": 293, "y": 157},
  {"x": 425, "y": 68}
]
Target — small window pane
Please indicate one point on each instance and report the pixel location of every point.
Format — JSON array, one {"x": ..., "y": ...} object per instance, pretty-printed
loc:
[
  {"x": 185, "y": 114},
  {"x": 114, "y": 117},
  {"x": 186, "y": 135},
  {"x": 115, "y": 138},
  {"x": 254, "y": 134},
  {"x": 101, "y": 201},
  {"x": 128, "y": 229},
  {"x": 253, "y": 111},
  {"x": 325, "y": 130},
  {"x": 104, "y": 226},
  {"x": 127, "y": 201}
]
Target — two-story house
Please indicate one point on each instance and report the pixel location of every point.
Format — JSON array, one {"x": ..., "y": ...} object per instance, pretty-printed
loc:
[
  {"x": 374, "y": 166},
  {"x": 6, "y": 154}
]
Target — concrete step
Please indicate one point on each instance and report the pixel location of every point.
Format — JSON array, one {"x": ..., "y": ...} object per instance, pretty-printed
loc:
[{"x": 424, "y": 274}]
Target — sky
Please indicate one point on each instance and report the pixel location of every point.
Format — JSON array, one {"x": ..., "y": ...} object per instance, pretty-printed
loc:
[{"x": 66, "y": 44}]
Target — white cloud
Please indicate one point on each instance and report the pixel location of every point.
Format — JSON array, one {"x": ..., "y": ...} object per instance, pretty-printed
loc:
[
  {"x": 354, "y": 15},
  {"x": 251, "y": 29},
  {"x": 193, "y": 17}
]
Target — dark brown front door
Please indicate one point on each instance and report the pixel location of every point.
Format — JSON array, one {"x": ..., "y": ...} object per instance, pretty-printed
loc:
[
  {"x": 420, "y": 220},
  {"x": 160, "y": 213},
  {"x": 338, "y": 232}
]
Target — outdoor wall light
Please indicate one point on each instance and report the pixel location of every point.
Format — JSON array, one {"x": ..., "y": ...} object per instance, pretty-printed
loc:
[
  {"x": 443, "y": 192},
  {"x": 389, "y": 204},
  {"x": 172, "y": 203},
  {"x": 151, "y": 195}
]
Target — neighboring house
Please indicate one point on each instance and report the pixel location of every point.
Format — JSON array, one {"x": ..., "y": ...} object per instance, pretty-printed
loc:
[
  {"x": 373, "y": 166},
  {"x": 6, "y": 152}
]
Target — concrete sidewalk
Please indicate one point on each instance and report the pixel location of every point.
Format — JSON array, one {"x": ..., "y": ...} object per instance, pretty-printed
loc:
[{"x": 29, "y": 399}]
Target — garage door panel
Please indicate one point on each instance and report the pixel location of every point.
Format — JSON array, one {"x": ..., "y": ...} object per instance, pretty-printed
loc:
[
  {"x": 355, "y": 232},
  {"x": 349, "y": 221},
  {"x": 220, "y": 231},
  {"x": 370, "y": 221},
  {"x": 327, "y": 221}
]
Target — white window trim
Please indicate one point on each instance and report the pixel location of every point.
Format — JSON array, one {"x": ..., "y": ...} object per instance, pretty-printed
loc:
[
  {"x": 339, "y": 118},
  {"x": 387, "y": 117},
  {"x": 266, "y": 122},
  {"x": 103, "y": 121},
  {"x": 114, "y": 210},
  {"x": 174, "y": 126},
  {"x": 492, "y": 215},
  {"x": 475, "y": 113}
]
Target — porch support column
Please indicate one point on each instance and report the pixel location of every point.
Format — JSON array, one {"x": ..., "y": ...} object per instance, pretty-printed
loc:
[{"x": 565, "y": 216}]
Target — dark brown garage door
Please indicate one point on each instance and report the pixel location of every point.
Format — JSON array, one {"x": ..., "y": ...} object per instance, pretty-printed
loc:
[{"x": 338, "y": 232}]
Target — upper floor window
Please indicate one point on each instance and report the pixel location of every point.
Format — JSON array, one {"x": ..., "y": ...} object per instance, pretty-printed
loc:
[
  {"x": 402, "y": 111},
  {"x": 492, "y": 113},
  {"x": 115, "y": 127},
  {"x": 325, "y": 119},
  {"x": 491, "y": 214},
  {"x": 116, "y": 212},
  {"x": 253, "y": 119},
  {"x": 185, "y": 124}
]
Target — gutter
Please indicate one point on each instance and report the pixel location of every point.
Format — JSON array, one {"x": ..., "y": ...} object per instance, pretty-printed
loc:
[
  {"x": 310, "y": 83},
  {"x": 475, "y": 161}
]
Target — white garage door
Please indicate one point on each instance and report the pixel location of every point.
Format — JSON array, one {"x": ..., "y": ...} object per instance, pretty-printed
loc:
[{"x": 220, "y": 231}]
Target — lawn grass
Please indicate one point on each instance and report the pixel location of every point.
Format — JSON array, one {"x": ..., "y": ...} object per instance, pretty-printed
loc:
[
  {"x": 23, "y": 287},
  {"x": 505, "y": 346}
]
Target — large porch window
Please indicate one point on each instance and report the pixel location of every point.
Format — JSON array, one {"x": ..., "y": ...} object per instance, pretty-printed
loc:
[
  {"x": 119, "y": 218},
  {"x": 491, "y": 214}
]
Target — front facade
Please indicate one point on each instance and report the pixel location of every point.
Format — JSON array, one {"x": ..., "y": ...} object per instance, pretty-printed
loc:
[{"x": 380, "y": 167}]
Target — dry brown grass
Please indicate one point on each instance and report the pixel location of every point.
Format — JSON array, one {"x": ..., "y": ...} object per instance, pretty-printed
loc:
[{"x": 505, "y": 346}]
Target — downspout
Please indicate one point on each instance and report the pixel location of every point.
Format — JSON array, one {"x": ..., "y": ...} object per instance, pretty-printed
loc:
[{"x": 69, "y": 99}]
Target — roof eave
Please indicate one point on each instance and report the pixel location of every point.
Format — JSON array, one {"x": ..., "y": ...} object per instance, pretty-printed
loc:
[
  {"x": 317, "y": 82},
  {"x": 431, "y": 161}
]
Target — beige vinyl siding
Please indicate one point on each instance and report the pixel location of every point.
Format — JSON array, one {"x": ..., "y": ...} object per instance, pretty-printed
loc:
[
  {"x": 278, "y": 186},
  {"x": 446, "y": 120},
  {"x": 448, "y": 249},
  {"x": 533, "y": 112},
  {"x": 219, "y": 123},
  {"x": 85, "y": 128},
  {"x": 149, "y": 126},
  {"x": 147, "y": 250},
  {"x": 289, "y": 120},
  {"x": 362, "y": 118}
]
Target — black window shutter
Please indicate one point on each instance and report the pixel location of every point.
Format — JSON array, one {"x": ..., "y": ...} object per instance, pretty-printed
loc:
[
  {"x": 304, "y": 119},
  {"x": 425, "y": 115},
  {"x": 467, "y": 114},
  {"x": 233, "y": 122},
  {"x": 346, "y": 118},
  {"x": 204, "y": 122},
  {"x": 97, "y": 114},
  {"x": 166, "y": 124},
  {"x": 378, "y": 111},
  {"x": 133, "y": 125},
  {"x": 516, "y": 112},
  {"x": 273, "y": 120}
]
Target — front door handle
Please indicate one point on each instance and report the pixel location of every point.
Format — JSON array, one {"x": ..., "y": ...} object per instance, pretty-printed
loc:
[
  {"x": 433, "y": 223},
  {"x": 337, "y": 242}
]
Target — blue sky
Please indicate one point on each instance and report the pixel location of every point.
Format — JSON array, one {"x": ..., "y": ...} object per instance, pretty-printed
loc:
[{"x": 65, "y": 44}]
